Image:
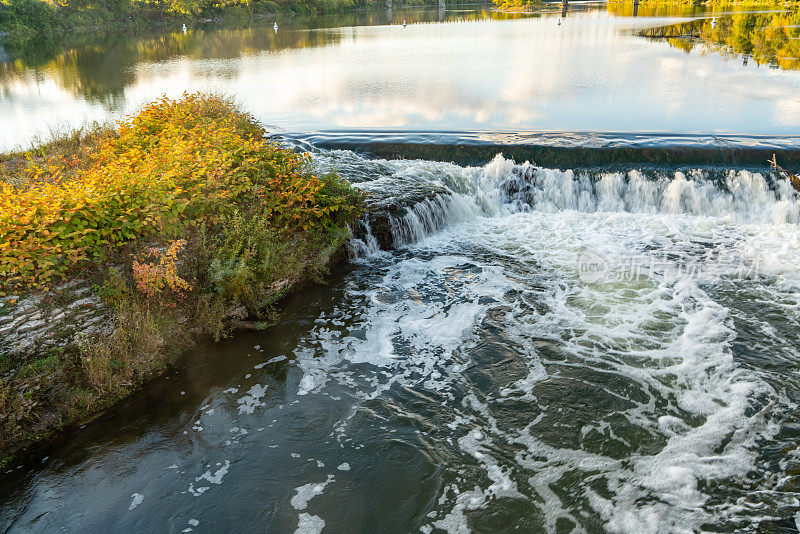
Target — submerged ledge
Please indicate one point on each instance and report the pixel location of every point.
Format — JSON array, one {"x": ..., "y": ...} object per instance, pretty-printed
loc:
[{"x": 562, "y": 149}]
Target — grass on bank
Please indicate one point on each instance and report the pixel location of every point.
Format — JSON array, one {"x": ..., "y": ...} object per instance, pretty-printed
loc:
[{"x": 187, "y": 218}]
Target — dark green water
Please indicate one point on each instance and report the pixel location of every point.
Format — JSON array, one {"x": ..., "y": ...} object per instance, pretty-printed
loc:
[{"x": 479, "y": 379}]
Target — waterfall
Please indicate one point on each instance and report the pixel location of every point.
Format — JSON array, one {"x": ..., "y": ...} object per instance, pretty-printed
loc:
[
  {"x": 363, "y": 243},
  {"x": 503, "y": 186}
]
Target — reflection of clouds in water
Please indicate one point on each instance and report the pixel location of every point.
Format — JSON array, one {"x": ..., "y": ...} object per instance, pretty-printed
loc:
[
  {"x": 787, "y": 111},
  {"x": 590, "y": 74},
  {"x": 32, "y": 109}
]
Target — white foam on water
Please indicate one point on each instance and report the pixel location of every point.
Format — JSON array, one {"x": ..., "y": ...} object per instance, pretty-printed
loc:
[
  {"x": 689, "y": 361},
  {"x": 433, "y": 329},
  {"x": 198, "y": 491},
  {"x": 309, "y": 524},
  {"x": 137, "y": 499},
  {"x": 660, "y": 492},
  {"x": 455, "y": 521},
  {"x": 307, "y": 492},
  {"x": 252, "y": 400},
  {"x": 271, "y": 360},
  {"x": 216, "y": 477},
  {"x": 498, "y": 250}
]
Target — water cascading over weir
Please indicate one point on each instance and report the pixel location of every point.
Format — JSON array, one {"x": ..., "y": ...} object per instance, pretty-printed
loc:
[{"x": 441, "y": 195}]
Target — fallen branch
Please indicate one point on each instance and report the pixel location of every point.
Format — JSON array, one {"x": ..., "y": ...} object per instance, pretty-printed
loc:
[{"x": 793, "y": 179}]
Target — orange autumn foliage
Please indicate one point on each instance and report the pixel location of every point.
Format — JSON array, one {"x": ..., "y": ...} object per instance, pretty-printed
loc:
[
  {"x": 176, "y": 164},
  {"x": 156, "y": 277}
]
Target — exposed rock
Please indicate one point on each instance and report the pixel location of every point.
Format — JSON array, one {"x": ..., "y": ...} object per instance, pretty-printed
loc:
[
  {"x": 380, "y": 225},
  {"x": 278, "y": 286},
  {"x": 384, "y": 213},
  {"x": 29, "y": 325},
  {"x": 392, "y": 221},
  {"x": 85, "y": 302},
  {"x": 236, "y": 313},
  {"x": 51, "y": 319}
]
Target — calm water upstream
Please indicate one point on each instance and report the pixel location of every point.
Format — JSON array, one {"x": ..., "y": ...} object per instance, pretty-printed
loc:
[
  {"x": 473, "y": 71},
  {"x": 546, "y": 350}
]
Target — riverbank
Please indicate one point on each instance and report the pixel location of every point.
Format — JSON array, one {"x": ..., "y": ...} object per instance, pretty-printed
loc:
[
  {"x": 120, "y": 247},
  {"x": 22, "y": 20}
]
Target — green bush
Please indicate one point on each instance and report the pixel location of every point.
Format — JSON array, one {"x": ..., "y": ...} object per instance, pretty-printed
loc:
[
  {"x": 27, "y": 16},
  {"x": 251, "y": 262}
]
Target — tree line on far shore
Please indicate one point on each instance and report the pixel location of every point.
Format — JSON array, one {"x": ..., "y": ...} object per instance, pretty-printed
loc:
[{"x": 27, "y": 18}]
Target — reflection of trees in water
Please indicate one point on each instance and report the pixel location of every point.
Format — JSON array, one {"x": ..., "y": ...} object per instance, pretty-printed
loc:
[
  {"x": 645, "y": 9},
  {"x": 769, "y": 38},
  {"x": 99, "y": 67}
]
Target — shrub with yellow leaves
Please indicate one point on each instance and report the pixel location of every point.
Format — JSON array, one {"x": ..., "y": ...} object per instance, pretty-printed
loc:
[{"x": 175, "y": 165}]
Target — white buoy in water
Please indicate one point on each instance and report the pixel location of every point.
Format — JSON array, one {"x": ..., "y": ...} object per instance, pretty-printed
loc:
[
  {"x": 184, "y": 28},
  {"x": 275, "y": 27},
  {"x": 714, "y": 22}
]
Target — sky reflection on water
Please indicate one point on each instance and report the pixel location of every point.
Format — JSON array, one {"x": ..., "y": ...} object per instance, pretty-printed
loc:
[{"x": 471, "y": 73}]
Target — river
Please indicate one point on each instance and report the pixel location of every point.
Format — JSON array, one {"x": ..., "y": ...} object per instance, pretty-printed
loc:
[
  {"x": 575, "y": 349},
  {"x": 475, "y": 71}
]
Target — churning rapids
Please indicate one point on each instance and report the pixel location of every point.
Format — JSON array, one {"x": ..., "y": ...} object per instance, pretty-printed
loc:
[{"x": 541, "y": 350}]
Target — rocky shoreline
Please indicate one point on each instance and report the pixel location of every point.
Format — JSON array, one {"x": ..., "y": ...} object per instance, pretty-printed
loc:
[{"x": 51, "y": 320}]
